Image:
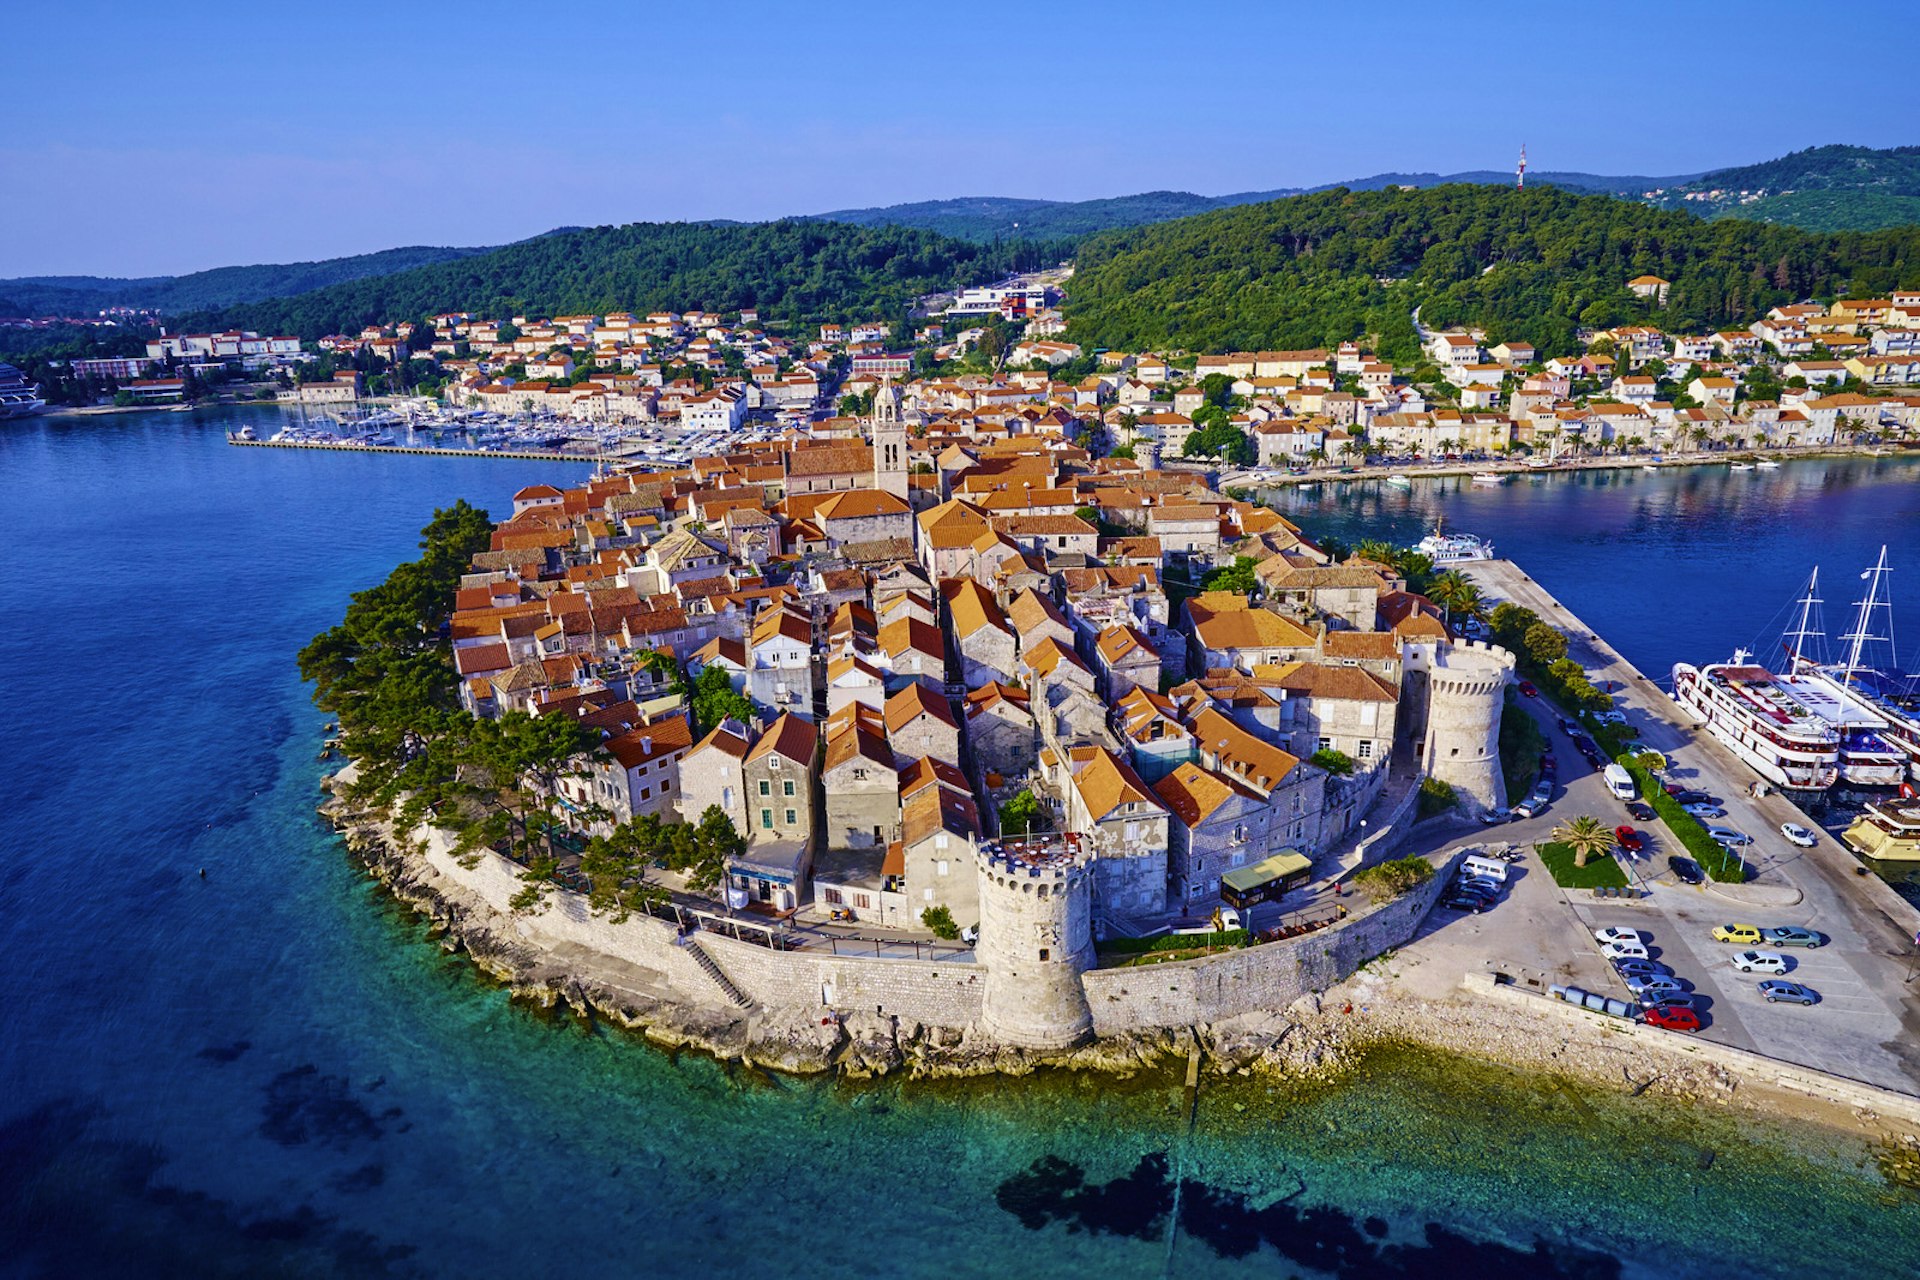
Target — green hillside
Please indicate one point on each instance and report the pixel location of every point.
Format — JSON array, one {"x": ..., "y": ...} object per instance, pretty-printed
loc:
[
  {"x": 790, "y": 270},
  {"x": 1832, "y": 188},
  {"x": 1536, "y": 265},
  {"x": 219, "y": 287}
]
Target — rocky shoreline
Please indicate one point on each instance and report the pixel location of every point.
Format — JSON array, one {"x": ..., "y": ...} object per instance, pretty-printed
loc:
[{"x": 1317, "y": 1040}]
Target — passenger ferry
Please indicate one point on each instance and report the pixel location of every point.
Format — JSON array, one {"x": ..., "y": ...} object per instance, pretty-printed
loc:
[
  {"x": 1747, "y": 708},
  {"x": 1453, "y": 548},
  {"x": 1819, "y": 723}
]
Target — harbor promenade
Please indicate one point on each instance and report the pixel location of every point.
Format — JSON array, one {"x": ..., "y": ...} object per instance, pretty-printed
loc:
[
  {"x": 1867, "y": 1024},
  {"x": 534, "y": 455}
]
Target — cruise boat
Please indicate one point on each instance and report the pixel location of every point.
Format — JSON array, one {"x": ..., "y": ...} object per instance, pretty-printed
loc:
[
  {"x": 1749, "y": 710},
  {"x": 18, "y": 397},
  {"x": 1452, "y": 548}
]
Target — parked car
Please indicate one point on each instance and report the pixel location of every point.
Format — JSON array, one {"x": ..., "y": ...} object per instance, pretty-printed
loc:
[
  {"x": 1672, "y": 1000},
  {"x": 1569, "y": 728},
  {"x": 1671, "y": 1017},
  {"x": 1685, "y": 870},
  {"x": 1805, "y": 837},
  {"x": 1730, "y": 838},
  {"x": 1759, "y": 962},
  {"x": 1737, "y": 933},
  {"x": 1629, "y": 839},
  {"x": 1625, "y": 951},
  {"x": 1494, "y": 817},
  {"x": 1639, "y": 968},
  {"x": 1615, "y": 716},
  {"x": 1549, "y": 762},
  {"x": 1531, "y": 807},
  {"x": 1477, "y": 884},
  {"x": 1471, "y": 903},
  {"x": 1616, "y": 933},
  {"x": 1791, "y": 992},
  {"x": 1705, "y": 812},
  {"x": 1640, "y": 811},
  {"x": 1687, "y": 796},
  {"x": 1653, "y": 984},
  {"x": 1792, "y": 935},
  {"x": 1527, "y": 690}
]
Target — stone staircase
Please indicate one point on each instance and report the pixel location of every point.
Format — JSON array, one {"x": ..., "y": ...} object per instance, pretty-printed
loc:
[{"x": 712, "y": 969}]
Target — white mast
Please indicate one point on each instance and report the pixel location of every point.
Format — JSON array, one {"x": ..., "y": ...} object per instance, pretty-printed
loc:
[
  {"x": 1807, "y": 628},
  {"x": 1863, "y": 621}
]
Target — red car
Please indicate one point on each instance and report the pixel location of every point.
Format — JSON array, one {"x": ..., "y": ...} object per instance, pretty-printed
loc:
[
  {"x": 1672, "y": 1018},
  {"x": 1629, "y": 839},
  {"x": 1526, "y": 688}
]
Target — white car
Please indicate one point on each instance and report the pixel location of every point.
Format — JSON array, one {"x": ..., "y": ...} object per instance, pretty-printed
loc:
[
  {"x": 1760, "y": 962},
  {"x": 1805, "y": 837},
  {"x": 1614, "y": 933},
  {"x": 1624, "y": 951}
]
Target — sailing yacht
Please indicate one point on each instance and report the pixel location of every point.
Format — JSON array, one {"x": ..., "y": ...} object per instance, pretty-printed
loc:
[{"x": 1876, "y": 700}]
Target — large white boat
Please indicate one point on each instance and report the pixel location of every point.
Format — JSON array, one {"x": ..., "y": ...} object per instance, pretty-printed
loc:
[
  {"x": 1752, "y": 713},
  {"x": 1819, "y": 723},
  {"x": 18, "y": 397},
  {"x": 1452, "y": 548}
]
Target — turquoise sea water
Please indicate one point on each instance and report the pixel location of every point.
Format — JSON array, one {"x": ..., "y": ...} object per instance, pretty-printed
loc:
[{"x": 272, "y": 1071}]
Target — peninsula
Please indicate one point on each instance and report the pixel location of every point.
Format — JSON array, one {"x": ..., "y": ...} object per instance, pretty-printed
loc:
[{"x": 890, "y": 747}]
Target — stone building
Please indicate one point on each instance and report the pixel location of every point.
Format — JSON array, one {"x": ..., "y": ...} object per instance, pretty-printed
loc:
[
  {"x": 920, "y": 723},
  {"x": 1214, "y": 826},
  {"x": 862, "y": 789},
  {"x": 712, "y": 774},
  {"x": 981, "y": 635},
  {"x": 1000, "y": 729},
  {"x": 1124, "y": 826}
]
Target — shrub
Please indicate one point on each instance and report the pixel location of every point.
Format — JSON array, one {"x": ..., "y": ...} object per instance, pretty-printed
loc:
[
  {"x": 1436, "y": 797},
  {"x": 1334, "y": 762},
  {"x": 1176, "y": 942},
  {"x": 940, "y": 920},
  {"x": 1391, "y": 879}
]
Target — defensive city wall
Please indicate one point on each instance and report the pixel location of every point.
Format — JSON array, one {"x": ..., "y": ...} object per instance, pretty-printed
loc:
[{"x": 1007, "y": 989}]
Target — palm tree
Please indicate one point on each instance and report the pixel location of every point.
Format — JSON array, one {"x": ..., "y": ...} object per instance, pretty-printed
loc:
[
  {"x": 1584, "y": 835},
  {"x": 1377, "y": 551},
  {"x": 1454, "y": 594}
]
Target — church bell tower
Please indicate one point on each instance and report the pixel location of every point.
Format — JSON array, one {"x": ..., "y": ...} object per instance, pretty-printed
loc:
[{"x": 889, "y": 442}]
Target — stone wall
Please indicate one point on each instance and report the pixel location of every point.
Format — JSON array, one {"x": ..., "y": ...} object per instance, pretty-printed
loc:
[
  {"x": 1271, "y": 977},
  {"x": 936, "y": 993}
]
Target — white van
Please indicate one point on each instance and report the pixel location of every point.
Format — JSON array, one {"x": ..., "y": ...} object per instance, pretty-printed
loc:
[
  {"x": 1489, "y": 868},
  {"x": 1620, "y": 782}
]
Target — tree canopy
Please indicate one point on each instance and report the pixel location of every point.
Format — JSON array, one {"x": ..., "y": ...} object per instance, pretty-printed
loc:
[{"x": 1536, "y": 265}]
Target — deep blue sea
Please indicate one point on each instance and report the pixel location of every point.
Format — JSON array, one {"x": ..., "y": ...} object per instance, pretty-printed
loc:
[{"x": 272, "y": 1071}]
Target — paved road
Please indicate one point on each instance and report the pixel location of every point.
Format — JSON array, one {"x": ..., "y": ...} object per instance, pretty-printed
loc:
[{"x": 1867, "y": 1025}]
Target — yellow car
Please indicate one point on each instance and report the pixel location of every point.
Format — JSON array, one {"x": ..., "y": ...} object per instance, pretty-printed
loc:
[{"x": 1746, "y": 934}]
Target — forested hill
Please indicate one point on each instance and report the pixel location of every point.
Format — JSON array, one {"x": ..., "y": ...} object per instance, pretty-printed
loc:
[
  {"x": 219, "y": 287},
  {"x": 1535, "y": 265},
  {"x": 790, "y": 270},
  {"x": 1822, "y": 188},
  {"x": 989, "y": 218}
]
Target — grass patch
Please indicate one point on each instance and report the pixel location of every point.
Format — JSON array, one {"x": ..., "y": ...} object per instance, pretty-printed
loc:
[
  {"x": 1601, "y": 872},
  {"x": 1714, "y": 858},
  {"x": 1177, "y": 942},
  {"x": 1127, "y": 953}
]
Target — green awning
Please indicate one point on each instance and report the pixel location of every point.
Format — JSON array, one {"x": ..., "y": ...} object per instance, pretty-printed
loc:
[{"x": 1285, "y": 863}]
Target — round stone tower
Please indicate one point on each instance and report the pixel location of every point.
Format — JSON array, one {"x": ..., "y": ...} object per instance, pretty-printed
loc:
[
  {"x": 1466, "y": 689},
  {"x": 1036, "y": 937}
]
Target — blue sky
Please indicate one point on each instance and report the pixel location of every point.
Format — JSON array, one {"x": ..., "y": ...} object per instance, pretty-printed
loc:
[{"x": 144, "y": 139}]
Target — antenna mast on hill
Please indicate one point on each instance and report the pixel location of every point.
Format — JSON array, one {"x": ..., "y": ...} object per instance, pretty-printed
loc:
[{"x": 1520, "y": 174}]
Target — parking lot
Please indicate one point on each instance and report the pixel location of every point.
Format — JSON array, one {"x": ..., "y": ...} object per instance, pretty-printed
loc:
[{"x": 1866, "y": 1025}]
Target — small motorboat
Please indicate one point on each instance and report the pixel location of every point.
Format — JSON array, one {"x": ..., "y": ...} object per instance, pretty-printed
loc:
[
  {"x": 1400, "y": 481},
  {"x": 1488, "y": 477}
]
